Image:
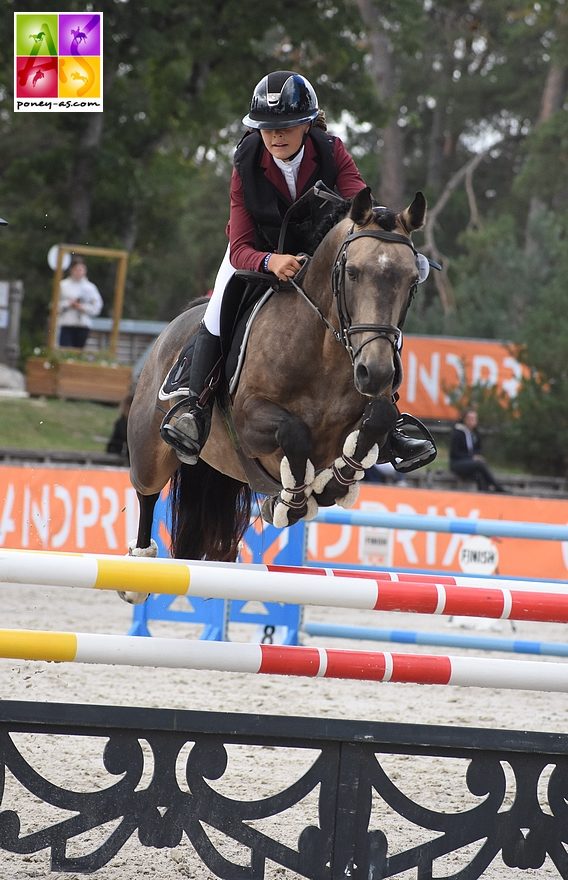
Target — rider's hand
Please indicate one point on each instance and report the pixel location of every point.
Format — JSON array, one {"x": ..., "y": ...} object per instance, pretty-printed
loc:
[{"x": 284, "y": 266}]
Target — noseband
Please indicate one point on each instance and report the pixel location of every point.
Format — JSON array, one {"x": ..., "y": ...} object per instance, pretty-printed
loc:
[{"x": 346, "y": 328}]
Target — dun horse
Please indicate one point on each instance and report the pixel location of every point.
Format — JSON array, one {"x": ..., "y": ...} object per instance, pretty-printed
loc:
[{"x": 313, "y": 404}]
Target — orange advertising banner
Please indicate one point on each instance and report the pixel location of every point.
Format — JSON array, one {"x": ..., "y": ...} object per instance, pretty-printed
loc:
[
  {"x": 434, "y": 365},
  {"x": 96, "y": 511},
  {"x": 76, "y": 509}
]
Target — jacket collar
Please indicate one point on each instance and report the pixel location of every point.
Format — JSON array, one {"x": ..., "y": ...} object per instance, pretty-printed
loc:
[{"x": 276, "y": 178}]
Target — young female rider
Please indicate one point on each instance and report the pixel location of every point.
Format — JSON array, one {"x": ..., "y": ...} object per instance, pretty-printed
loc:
[{"x": 274, "y": 164}]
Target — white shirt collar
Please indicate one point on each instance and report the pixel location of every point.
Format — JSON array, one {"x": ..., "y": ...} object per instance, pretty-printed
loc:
[{"x": 289, "y": 169}]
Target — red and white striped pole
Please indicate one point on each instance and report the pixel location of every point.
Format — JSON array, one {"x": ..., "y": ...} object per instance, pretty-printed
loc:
[
  {"x": 380, "y": 666},
  {"x": 518, "y": 600}
]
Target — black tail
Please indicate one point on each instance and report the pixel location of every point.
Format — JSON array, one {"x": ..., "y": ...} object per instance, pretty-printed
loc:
[{"x": 210, "y": 513}]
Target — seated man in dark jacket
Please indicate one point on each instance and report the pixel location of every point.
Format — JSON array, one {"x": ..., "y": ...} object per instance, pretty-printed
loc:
[{"x": 466, "y": 461}]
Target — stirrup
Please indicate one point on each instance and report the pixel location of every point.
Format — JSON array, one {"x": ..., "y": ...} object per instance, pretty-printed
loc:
[
  {"x": 405, "y": 467},
  {"x": 187, "y": 448}
]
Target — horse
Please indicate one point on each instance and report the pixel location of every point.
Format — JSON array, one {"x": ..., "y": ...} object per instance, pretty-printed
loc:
[
  {"x": 78, "y": 35},
  {"x": 313, "y": 404}
]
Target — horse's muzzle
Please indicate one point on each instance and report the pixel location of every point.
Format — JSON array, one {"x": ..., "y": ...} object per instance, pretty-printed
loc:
[{"x": 371, "y": 380}]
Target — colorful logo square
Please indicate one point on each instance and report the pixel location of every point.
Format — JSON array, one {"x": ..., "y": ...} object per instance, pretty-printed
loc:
[
  {"x": 37, "y": 77},
  {"x": 58, "y": 63},
  {"x": 80, "y": 34},
  {"x": 79, "y": 77},
  {"x": 36, "y": 33}
]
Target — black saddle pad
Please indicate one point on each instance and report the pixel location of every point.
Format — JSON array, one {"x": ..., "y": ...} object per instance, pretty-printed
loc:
[{"x": 239, "y": 300}]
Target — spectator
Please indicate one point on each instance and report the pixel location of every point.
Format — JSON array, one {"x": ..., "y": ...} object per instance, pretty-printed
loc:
[
  {"x": 79, "y": 301},
  {"x": 466, "y": 460},
  {"x": 117, "y": 444}
]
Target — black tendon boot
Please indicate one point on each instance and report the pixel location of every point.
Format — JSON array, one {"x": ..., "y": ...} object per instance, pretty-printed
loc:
[
  {"x": 408, "y": 453},
  {"x": 186, "y": 426}
]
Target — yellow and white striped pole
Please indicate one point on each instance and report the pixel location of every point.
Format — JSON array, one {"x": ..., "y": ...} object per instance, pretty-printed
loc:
[{"x": 514, "y": 600}]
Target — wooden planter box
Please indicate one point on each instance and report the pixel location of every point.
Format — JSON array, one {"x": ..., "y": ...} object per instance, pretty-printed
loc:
[
  {"x": 41, "y": 377},
  {"x": 106, "y": 384},
  {"x": 77, "y": 381}
]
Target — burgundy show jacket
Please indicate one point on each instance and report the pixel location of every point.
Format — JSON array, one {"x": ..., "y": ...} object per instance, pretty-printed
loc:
[{"x": 241, "y": 227}]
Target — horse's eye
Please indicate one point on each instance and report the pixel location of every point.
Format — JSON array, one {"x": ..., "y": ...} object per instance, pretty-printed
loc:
[{"x": 351, "y": 273}]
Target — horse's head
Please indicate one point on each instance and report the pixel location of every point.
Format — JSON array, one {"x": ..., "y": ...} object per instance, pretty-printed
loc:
[{"x": 374, "y": 278}]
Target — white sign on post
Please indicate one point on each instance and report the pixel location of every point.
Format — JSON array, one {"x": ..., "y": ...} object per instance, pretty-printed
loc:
[
  {"x": 376, "y": 546},
  {"x": 52, "y": 259},
  {"x": 479, "y": 555}
]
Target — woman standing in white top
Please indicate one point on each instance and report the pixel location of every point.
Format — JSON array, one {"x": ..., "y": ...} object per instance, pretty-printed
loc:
[{"x": 79, "y": 301}]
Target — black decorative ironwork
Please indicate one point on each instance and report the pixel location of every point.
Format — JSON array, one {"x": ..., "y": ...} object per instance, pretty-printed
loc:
[{"x": 348, "y": 776}]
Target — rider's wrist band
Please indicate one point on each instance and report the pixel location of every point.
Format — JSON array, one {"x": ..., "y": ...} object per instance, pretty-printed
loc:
[{"x": 265, "y": 263}]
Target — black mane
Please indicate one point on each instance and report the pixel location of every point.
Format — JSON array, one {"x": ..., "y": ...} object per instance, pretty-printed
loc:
[
  {"x": 384, "y": 217},
  {"x": 328, "y": 222}
]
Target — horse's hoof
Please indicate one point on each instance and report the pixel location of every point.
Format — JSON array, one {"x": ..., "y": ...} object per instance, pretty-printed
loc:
[
  {"x": 132, "y": 598},
  {"x": 150, "y": 552},
  {"x": 267, "y": 510}
]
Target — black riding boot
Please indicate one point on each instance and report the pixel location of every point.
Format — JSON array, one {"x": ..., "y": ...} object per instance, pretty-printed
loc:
[
  {"x": 413, "y": 453},
  {"x": 409, "y": 453},
  {"x": 186, "y": 426}
]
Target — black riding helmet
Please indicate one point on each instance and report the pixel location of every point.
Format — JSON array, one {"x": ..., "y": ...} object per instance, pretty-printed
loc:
[{"x": 282, "y": 99}]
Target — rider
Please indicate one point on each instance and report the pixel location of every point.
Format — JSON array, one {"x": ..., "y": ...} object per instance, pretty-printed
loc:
[{"x": 286, "y": 151}]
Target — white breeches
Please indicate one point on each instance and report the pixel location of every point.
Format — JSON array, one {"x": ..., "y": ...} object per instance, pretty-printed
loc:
[{"x": 213, "y": 310}]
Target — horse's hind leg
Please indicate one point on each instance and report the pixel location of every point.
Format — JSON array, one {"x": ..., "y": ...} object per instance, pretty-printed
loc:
[
  {"x": 339, "y": 483},
  {"x": 144, "y": 545},
  {"x": 144, "y": 540},
  {"x": 266, "y": 427}
]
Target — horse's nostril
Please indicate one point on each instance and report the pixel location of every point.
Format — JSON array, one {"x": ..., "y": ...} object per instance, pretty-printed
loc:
[{"x": 361, "y": 376}]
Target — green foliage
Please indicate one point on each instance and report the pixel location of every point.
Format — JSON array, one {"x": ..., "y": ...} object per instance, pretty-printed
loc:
[
  {"x": 545, "y": 172},
  {"x": 539, "y": 422},
  {"x": 524, "y": 298}
]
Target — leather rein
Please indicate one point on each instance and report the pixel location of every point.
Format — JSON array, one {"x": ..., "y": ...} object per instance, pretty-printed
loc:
[{"x": 346, "y": 328}]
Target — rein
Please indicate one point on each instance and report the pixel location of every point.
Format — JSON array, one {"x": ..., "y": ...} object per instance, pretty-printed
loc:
[{"x": 346, "y": 328}]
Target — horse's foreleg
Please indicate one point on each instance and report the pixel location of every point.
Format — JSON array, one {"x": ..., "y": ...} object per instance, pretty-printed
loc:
[
  {"x": 339, "y": 483},
  {"x": 268, "y": 427},
  {"x": 144, "y": 545}
]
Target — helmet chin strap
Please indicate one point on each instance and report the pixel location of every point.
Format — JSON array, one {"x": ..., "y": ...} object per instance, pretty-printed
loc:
[{"x": 304, "y": 139}]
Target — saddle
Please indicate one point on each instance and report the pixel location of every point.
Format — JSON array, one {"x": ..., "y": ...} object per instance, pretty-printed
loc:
[
  {"x": 244, "y": 296},
  {"x": 246, "y": 293}
]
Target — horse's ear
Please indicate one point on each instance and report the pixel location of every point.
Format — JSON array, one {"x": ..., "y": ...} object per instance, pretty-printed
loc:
[
  {"x": 413, "y": 216},
  {"x": 362, "y": 207}
]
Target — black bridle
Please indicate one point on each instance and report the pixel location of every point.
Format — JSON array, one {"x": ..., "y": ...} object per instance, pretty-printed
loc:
[{"x": 346, "y": 328}]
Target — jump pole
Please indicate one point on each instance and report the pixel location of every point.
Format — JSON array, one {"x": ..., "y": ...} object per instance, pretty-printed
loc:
[
  {"x": 180, "y": 578},
  {"x": 283, "y": 660},
  {"x": 497, "y": 528},
  {"x": 437, "y": 639}
]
